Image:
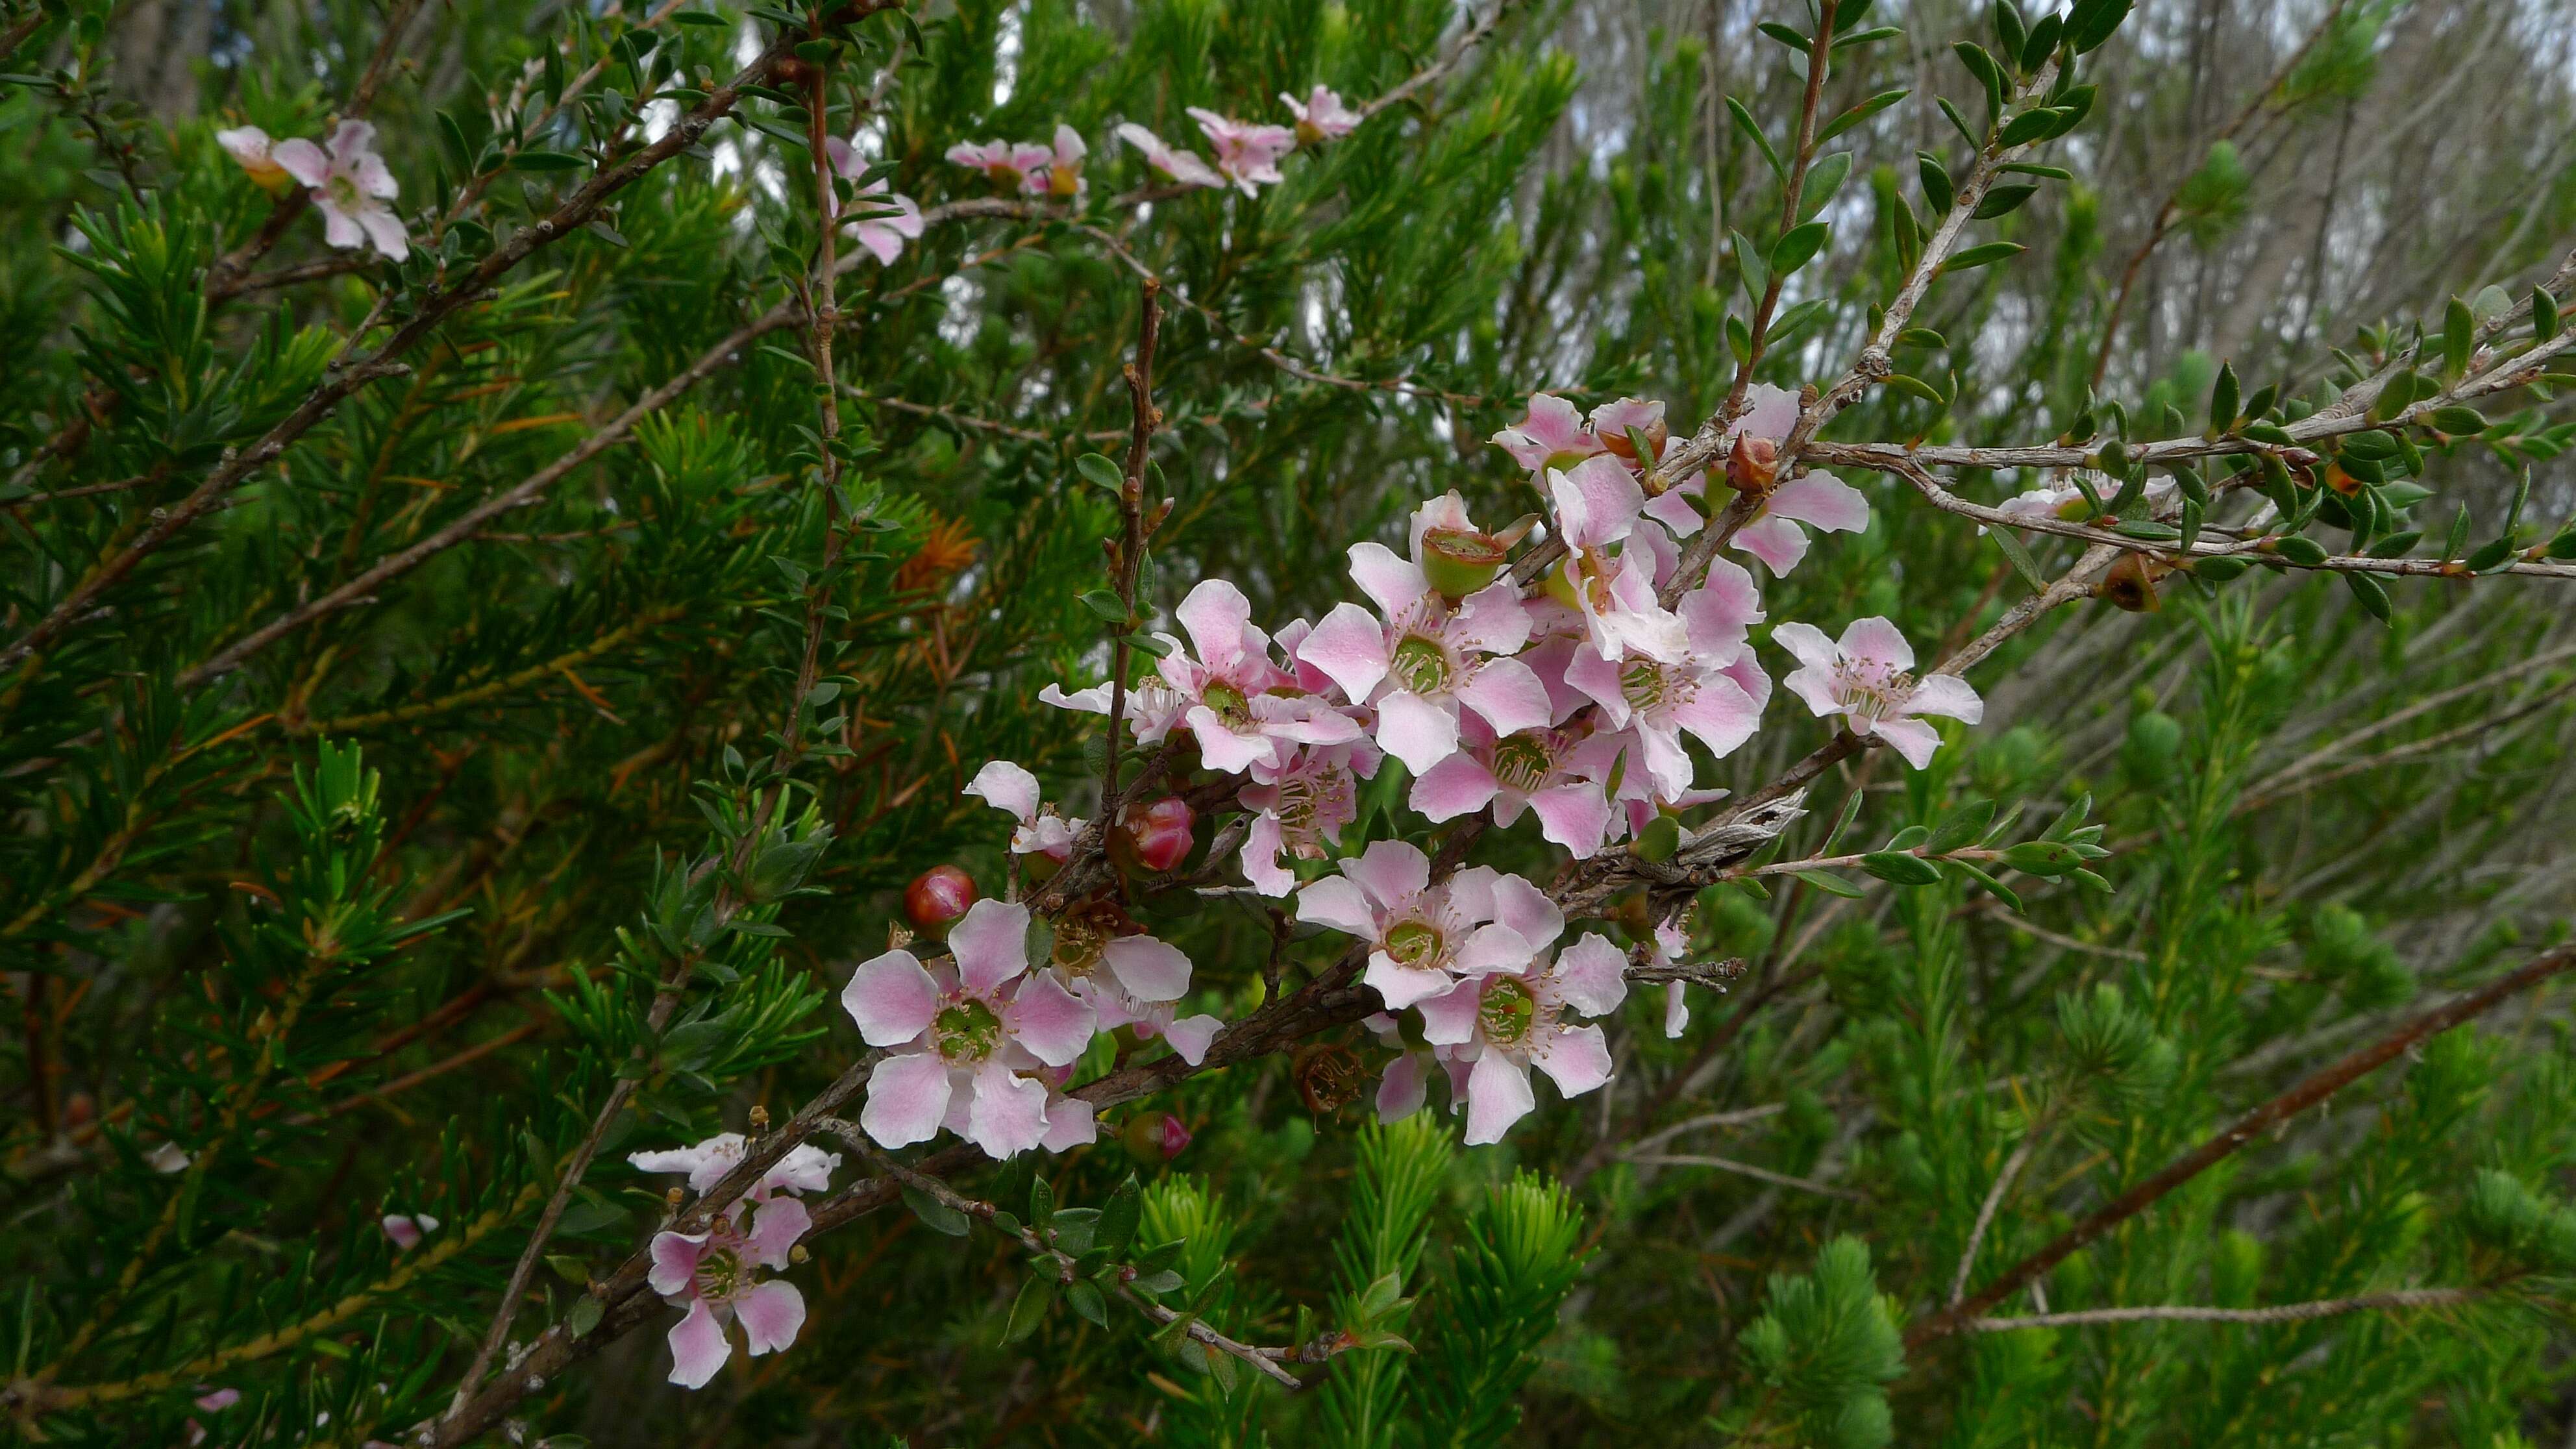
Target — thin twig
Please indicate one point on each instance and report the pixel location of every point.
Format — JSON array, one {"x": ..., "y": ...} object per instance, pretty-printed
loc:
[{"x": 2277, "y": 1313}]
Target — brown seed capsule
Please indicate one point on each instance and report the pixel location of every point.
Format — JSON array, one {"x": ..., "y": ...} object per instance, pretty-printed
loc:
[
  {"x": 1753, "y": 465},
  {"x": 1328, "y": 1076},
  {"x": 2131, "y": 584}
]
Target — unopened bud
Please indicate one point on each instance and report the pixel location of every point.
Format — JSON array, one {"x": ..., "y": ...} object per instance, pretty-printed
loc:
[
  {"x": 1154, "y": 1138},
  {"x": 1459, "y": 561},
  {"x": 674, "y": 1197},
  {"x": 936, "y": 898},
  {"x": 1153, "y": 837},
  {"x": 1753, "y": 464},
  {"x": 797, "y": 1254},
  {"x": 759, "y": 1118}
]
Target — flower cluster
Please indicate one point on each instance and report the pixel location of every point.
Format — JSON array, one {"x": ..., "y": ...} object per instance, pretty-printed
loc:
[
  {"x": 1247, "y": 153},
  {"x": 349, "y": 183}
]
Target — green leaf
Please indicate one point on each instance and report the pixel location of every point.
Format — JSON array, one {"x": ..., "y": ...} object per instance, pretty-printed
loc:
[
  {"x": 1099, "y": 472},
  {"x": 1107, "y": 605},
  {"x": 2046, "y": 858},
  {"x": 1830, "y": 883},
  {"x": 2219, "y": 568},
  {"x": 1938, "y": 189},
  {"x": 2372, "y": 594},
  {"x": 1029, "y": 1309},
  {"x": 1975, "y": 257},
  {"x": 2092, "y": 22},
  {"x": 2544, "y": 315},
  {"x": 2004, "y": 200},
  {"x": 1900, "y": 868},
  {"x": 546, "y": 161},
  {"x": 1087, "y": 1301},
  {"x": 1118, "y": 1220},
  {"x": 1796, "y": 247},
  {"x": 583, "y": 1316},
  {"x": 1860, "y": 113},
  {"x": 2031, "y": 125},
  {"x": 1994, "y": 887},
  {"x": 2459, "y": 421},
  {"x": 1913, "y": 386},
  {"x": 938, "y": 1216},
  {"x": 1752, "y": 130},
  {"x": 2223, "y": 397},
  {"x": 2019, "y": 554},
  {"x": 2306, "y": 552},
  {"x": 1657, "y": 842},
  {"x": 1960, "y": 827},
  {"x": 570, "y": 1269},
  {"x": 2459, "y": 337}
]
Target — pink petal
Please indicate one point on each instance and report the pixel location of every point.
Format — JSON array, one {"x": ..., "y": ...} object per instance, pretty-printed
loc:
[
  {"x": 1449, "y": 1019},
  {"x": 775, "y": 1227},
  {"x": 1491, "y": 620},
  {"x": 879, "y": 239},
  {"x": 1946, "y": 694},
  {"x": 890, "y": 997},
  {"x": 339, "y": 228},
  {"x": 991, "y": 944},
  {"x": 1391, "y": 582},
  {"x": 1596, "y": 503},
  {"x": 1911, "y": 738},
  {"x": 1260, "y": 857},
  {"x": 1747, "y": 673},
  {"x": 1778, "y": 542},
  {"x": 1823, "y": 500},
  {"x": 1577, "y": 1059},
  {"x": 1674, "y": 510},
  {"x": 803, "y": 1169},
  {"x": 1574, "y": 816},
  {"x": 1391, "y": 871},
  {"x": 1771, "y": 413},
  {"x": 1006, "y": 786},
  {"x": 1467, "y": 898},
  {"x": 1876, "y": 641},
  {"x": 1338, "y": 903},
  {"x": 675, "y": 1261},
  {"x": 1591, "y": 975},
  {"x": 1009, "y": 1112},
  {"x": 303, "y": 160},
  {"x": 1722, "y": 607},
  {"x": 1401, "y": 986},
  {"x": 1151, "y": 970},
  {"x": 1458, "y": 785},
  {"x": 1192, "y": 1035},
  {"x": 1494, "y": 950},
  {"x": 1403, "y": 1089},
  {"x": 1720, "y": 714},
  {"x": 385, "y": 230},
  {"x": 1598, "y": 677},
  {"x": 698, "y": 1347},
  {"x": 1508, "y": 694},
  {"x": 404, "y": 1232},
  {"x": 1667, "y": 763},
  {"x": 1676, "y": 1010},
  {"x": 907, "y": 1097},
  {"x": 1221, "y": 749},
  {"x": 218, "y": 1401},
  {"x": 1527, "y": 911},
  {"x": 771, "y": 1313},
  {"x": 1498, "y": 1095},
  {"x": 1216, "y": 613},
  {"x": 1050, "y": 1022},
  {"x": 1808, "y": 643},
  {"x": 1350, "y": 647},
  {"x": 1071, "y": 1123},
  {"x": 1415, "y": 730}
]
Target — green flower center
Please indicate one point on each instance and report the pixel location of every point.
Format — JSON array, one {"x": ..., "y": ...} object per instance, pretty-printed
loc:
[
  {"x": 721, "y": 1273},
  {"x": 343, "y": 192},
  {"x": 1420, "y": 665},
  {"x": 968, "y": 1031},
  {"x": 1507, "y": 1011},
  {"x": 1522, "y": 761},
  {"x": 1413, "y": 943},
  {"x": 1646, "y": 683},
  {"x": 1227, "y": 701}
]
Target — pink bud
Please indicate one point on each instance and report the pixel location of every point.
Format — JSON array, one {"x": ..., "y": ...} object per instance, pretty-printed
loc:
[
  {"x": 1154, "y": 837},
  {"x": 1156, "y": 1139},
  {"x": 936, "y": 898}
]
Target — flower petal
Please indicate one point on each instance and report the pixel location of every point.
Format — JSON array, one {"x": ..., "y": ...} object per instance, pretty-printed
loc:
[
  {"x": 1449, "y": 1019},
  {"x": 1009, "y": 1112},
  {"x": 1403, "y": 1089},
  {"x": 1591, "y": 975},
  {"x": 675, "y": 1261},
  {"x": 1822, "y": 501},
  {"x": 1339, "y": 903},
  {"x": 1151, "y": 970},
  {"x": 303, "y": 160},
  {"x": 1350, "y": 647},
  {"x": 1575, "y": 816},
  {"x": 1911, "y": 738},
  {"x": 890, "y": 997},
  {"x": 991, "y": 943},
  {"x": 1216, "y": 613},
  {"x": 1006, "y": 786},
  {"x": 1778, "y": 542},
  {"x": 1508, "y": 694},
  {"x": 775, "y": 1227},
  {"x": 1498, "y": 1095},
  {"x": 1391, "y": 871},
  {"x": 1946, "y": 694},
  {"x": 1415, "y": 730},
  {"x": 698, "y": 1347},
  {"x": 1071, "y": 1123},
  {"x": 771, "y": 1313},
  {"x": 1458, "y": 785},
  {"x": 1192, "y": 1035},
  {"x": 1052, "y": 1023},
  {"x": 907, "y": 1097},
  {"x": 1577, "y": 1059},
  {"x": 1676, "y": 1010},
  {"x": 1391, "y": 581},
  {"x": 1527, "y": 911},
  {"x": 1876, "y": 641},
  {"x": 1401, "y": 986}
]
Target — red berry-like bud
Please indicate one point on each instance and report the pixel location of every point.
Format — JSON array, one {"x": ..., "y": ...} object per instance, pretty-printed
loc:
[
  {"x": 1154, "y": 837},
  {"x": 936, "y": 898},
  {"x": 1154, "y": 1139}
]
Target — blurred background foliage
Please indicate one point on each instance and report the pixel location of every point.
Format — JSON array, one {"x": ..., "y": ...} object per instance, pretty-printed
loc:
[{"x": 2319, "y": 819}]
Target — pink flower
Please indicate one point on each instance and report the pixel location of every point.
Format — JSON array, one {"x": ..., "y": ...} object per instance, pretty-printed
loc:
[
  {"x": 1549, "y": 435},
  {"x": 881, "y": 231},
  {"x": 1670, "y": 943},
  {"x": 351, "y": 186},
  {"x": 249, "y": 147},
  {"x": 1184, "y": 167},
  {"x": 1012, "y": 165},
  {"x": 1321, "y": 116},
  {"x": 1422, "y": 937},
  {"x": 1299, "y": 807},
  {"x": 715, "y": 1275},
  {"x": 407, "y": 1229},
  {"x": 1597, "y": 505},
  {"x": 1145, "y": 978},
  {"x": 218, "y": 1400},
  {"x": 1242, "y": 707},
  {"x": 803, "y": 1169},
  {"x": 1715, "y": 693},
  {"x": 1772, "y": 534},
  {"x": 1502, "y": 1025},
  {"x": 1422, "y": 658},
  {"x": 1247, "y": 152},
  {"x": 1865, "y": 679},
  {"x": 963, "y": 1033},
  {"x": 1554, "y": 772},
  {"x": 1153, "y": 707},
  {"x": 1007, "y": 787},
  {"x": 2066, "y": 501}
]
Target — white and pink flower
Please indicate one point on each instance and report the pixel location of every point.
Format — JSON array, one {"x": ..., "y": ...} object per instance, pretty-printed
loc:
[
  {"x": 1247, "y": 152},
  {"x": 1182, "y": 166},
  {"x": 1240, "y": 705},
  {"x": 714, "y": 1273},
  {"x": 1422, "y": 937},
  {"x": 1013, "y": 790},
  {"x": 1866, "y": 679},
  {"x": 1549, "y": 435},
  {"x": 1152, "y": 706},
  {"x": 1597, "y": 506},
  {"x": 1012, "y": 165},
  {"x": 1502, "y": 1025},
  {"x": 1321, "y": 116},
  {"x": 1555, "y": 772},
  {"x": 1144, "y": 979},
  {"x": 1300, "y": 807},
  {"x": 1715, "y": 693},
  {"x": 804, "y": 1168},
  {"x": 407, "y": 1229},
  {"x": 350, "y": 186},
  {"x": 962, "y": 1032},
  {"x": 251, "y": 149},
  {"x": 1422, "y": 658}
]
